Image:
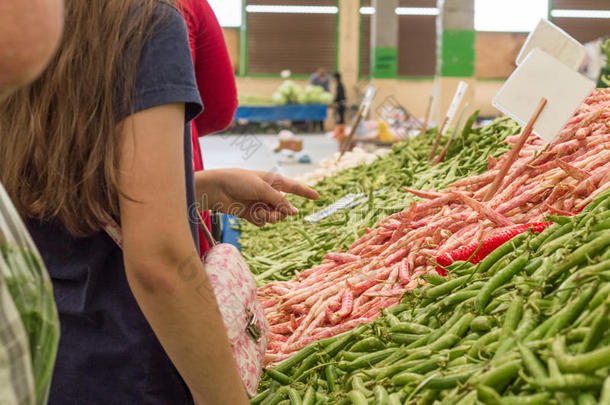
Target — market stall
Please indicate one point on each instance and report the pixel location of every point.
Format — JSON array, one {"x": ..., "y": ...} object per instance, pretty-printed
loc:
[
  {"x": 417, "y": 290},
  {"x": 289, "y": 112}
]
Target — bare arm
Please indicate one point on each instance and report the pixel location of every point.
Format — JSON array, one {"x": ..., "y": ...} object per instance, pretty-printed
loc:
[
  {"x": 29, "y": 34},
  {"x": 161, "y": 261}
]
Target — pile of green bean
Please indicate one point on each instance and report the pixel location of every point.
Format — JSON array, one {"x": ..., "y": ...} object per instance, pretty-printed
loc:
[
  {"x": 530, "y": 324},
  {"x": 275, "y": 251}
]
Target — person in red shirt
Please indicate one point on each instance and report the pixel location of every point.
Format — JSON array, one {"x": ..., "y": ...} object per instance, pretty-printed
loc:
[{"x": 215, "y": 79}]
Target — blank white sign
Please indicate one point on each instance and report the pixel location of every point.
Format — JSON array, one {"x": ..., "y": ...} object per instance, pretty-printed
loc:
[
  {"x": 553, "y": 40},
  {"x": 541, "y": 75}
]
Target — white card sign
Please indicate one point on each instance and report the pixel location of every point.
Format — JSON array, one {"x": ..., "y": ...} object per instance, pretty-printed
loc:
[
  {"x": 556, "y": 42},
  {"x": 541, "y": 75}
]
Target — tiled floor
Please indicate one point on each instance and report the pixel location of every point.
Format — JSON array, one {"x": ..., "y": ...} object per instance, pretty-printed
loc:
[{"x": 256, "y": 152}]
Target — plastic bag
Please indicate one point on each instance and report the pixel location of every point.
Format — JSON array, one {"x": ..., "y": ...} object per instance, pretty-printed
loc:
[{"x": 25, "y": 276}]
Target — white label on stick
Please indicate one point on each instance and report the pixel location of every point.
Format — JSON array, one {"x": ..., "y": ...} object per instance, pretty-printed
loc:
[
  {"x": 368, "y": 99},
  {"x": 553, "y": 40},
  {"x": 455, "y": 104},
  {"x": 349, "y": 201},
  {"x": 541, "y": 75}
]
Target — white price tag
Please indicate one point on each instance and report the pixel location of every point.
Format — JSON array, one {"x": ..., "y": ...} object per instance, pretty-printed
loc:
[
  {"x": 368, "y": 99},
  {"x": 553, "y": 40},
  {"x": 542, "y": 76},
  {"x": 349, "y": 201},
  {"x": 455, "y": 104}
]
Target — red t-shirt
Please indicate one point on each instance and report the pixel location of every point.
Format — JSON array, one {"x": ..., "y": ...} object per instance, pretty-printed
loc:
[{"x": 215, "y": 79}]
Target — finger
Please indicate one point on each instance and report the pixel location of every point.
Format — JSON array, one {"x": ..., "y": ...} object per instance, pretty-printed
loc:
[
  {"x": 276, "y": 216},
  {"x": 271, "y": 196},
  {"x": 286, "y": 185},
  {"x": 256, "y": 215}
]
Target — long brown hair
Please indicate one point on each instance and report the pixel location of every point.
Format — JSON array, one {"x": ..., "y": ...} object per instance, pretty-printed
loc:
[{"x": 59, "y": 137}]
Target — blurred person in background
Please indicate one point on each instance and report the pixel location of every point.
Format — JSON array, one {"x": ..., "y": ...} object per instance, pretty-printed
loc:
[
  {"x": 320, "y": 78},
  {"x": 29, "y": 35},
  {"x": 340, "y": 100}
]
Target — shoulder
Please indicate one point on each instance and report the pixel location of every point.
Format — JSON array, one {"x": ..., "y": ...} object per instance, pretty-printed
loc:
[
  {"x": 168, "y": 14},
  {"x": 165, "y": 72}
]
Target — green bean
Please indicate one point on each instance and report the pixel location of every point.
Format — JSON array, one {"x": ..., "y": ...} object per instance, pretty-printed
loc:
[
  {"x": 404, "y": 338},
  {"x": 448, "y": 324},
  {"x": 434, "y": 279},
  {"x": 306, "y": 365},
  {"x": 481, "y": 324},
  {"x": 456, "y": 298},
  {"x": 532, "y": 363},
  {"x": 600, "y": 296},
  {"x": 557, "y": 244},
  {"x": 296, "y": 359},
  {"x": 279, "y": 377},
  {"x": 258, "y": 398},
  {"x": 533, "y": 265},
  {"x": 468, "y": 399},
  {"x": 597, "y": 330},
  {"x": 369, "y": 344},
  {"x": 399, "y": 308},
  {"x": 486, "y": 339},
  {"x": 449, "y": 381},
  {"x": 341, "y": 342},
  {"x": 309, "y": 397},
  {"x": 580, "y": 255},
  {"x": 569, "y": 383},
  {"x": 500, "y": 252},
  {"x": 446, "y": 288},
  {"x": 535, "y": 399},
  {"x": 498, "y": 279},
  {"x": 513, "y": 316},
  {"x": 391, "y": 319},
  {"x": 331, "y": 377},
  {"x": 276, "y": 397},
  {"x": 555, "y": 232},
  {"x": 381, "y": 396},
  {"x": 295, "y": 398},
  {"x": 444, "y": 342},
  {"x": 488, "y": 395},
  {"x": 349, "y": 356},
  {"x": 366, "y": 360},
  {"x": 539, "y": 239},
  {"x": 405, "y": 378},
  {"x": 580, "y": 363},
  {"x": 358, "y": 385},
  {"x": 500, "y": 377},
  {"x": 604, "y": 398},
  {"x": 571, "y": 311},
  {"x": 394, "y": 399},
  {"x": 408, "y": 327},
  {"x": 587, "y": 399}
]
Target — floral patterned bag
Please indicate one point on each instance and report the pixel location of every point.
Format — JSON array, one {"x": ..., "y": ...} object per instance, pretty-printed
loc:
[{"x": 242, "y": 312}]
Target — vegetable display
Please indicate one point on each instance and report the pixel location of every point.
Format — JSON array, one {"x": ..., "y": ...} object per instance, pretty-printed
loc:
[
  {"x": 276, "y": 251},
  {"x": 332, "y": 166},
  {"x": 350, "y": 288},
  {"x": 529, "y": 326},
  {"x": 290, "y": 92}
]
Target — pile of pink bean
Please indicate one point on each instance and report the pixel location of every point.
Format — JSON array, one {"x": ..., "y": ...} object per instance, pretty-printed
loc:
[{"x": 351, "y": 288}]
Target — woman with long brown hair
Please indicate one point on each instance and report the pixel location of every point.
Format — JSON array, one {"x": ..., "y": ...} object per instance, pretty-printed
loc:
[{"x": 103, "y": 135}]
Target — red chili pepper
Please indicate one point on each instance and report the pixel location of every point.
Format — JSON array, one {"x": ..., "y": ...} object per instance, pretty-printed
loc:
[{"x": 489, "y": 245}]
